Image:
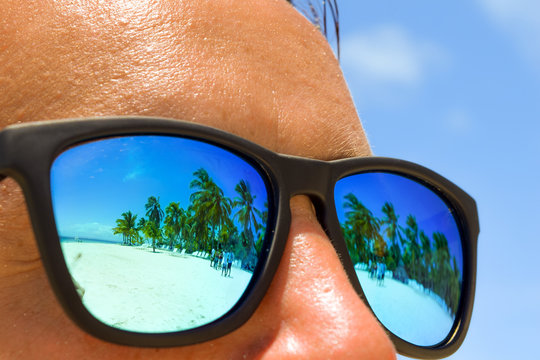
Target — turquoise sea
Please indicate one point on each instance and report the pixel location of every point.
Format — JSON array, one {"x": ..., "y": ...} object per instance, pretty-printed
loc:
[{"x": 87, "y": 240}]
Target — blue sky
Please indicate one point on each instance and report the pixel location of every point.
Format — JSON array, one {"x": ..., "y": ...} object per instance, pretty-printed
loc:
[
  {"x": 455, "y": 86},
  {"x": 93, "y": 184}
]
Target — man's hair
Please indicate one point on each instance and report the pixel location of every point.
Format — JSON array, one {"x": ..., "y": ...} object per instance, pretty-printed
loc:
[{"x": 324, "y": 14}]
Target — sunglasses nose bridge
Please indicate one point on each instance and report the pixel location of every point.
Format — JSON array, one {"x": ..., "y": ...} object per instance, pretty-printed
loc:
[
  {"x": 306, "y": 177},
  {"x": 315, "y": 179}
]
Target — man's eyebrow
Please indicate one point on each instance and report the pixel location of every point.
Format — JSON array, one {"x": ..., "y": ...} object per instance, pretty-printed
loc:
[{"x": 324, "y": 14}]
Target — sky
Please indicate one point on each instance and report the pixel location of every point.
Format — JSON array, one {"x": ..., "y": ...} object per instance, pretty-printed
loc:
[
  {"x": 94, "y": 183},
  {"x": 455, "y": 86}
]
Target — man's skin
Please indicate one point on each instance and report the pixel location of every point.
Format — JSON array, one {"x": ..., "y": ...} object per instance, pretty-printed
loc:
[{"x": 255, "y": 68}]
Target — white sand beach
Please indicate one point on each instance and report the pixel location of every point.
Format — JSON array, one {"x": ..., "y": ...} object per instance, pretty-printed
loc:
[
  {"x": 408, "y": 311},
  {"x": 134, "y": 289}
]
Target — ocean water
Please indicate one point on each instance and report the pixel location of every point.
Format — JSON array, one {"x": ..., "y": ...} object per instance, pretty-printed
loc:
[{"x": 70, "y": 239}]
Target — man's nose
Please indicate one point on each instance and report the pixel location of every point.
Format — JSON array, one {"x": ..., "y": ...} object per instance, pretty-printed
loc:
[{"x": 311, "y": 310}]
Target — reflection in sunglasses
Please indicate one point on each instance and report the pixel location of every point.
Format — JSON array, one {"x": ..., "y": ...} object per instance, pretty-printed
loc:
[
  {"x": 161, "y": 268},
  {"x": 408, "y": 277}
]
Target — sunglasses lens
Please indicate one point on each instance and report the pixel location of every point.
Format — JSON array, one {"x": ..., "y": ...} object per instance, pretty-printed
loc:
[
  {"x": 406, "y": 249},
  {"x": 159, "y": 233}
]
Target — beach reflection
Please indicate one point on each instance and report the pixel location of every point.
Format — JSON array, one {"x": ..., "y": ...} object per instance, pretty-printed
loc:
[
  {"x": 406, "y": 248},
  {"x": 136, "y": 289},
  {"x": 160, "y": 233}
]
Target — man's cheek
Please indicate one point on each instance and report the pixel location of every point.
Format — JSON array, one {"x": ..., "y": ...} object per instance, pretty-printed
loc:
[{"x": 18, "y": 250}]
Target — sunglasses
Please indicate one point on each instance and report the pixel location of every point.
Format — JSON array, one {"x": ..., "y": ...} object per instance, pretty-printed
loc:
[{"x": 157, "y": 232}]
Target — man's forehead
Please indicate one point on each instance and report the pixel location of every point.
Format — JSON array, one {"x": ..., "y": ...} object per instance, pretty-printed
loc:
[{"x": 257, "y": 69}]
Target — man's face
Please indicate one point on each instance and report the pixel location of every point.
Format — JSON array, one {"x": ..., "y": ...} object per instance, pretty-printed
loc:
[{"x": 257, "y": 69}]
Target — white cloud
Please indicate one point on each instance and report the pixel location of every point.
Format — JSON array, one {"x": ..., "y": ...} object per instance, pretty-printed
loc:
[
  {"x": 131, "y": 176},
  {"x": 519, "y": 18},
  {"x": 388, "y": 54},
  {"x": 92, "y": 230},
  {"x": 134, "y": 174}
]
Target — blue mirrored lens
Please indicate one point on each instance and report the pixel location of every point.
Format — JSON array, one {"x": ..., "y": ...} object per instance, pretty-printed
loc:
[
  {"x": 160, "y": 234},
  {"x": 406, "y": 249}
]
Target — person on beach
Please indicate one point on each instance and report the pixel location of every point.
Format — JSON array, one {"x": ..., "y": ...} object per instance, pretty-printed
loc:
[
  {"x": 224, "y": 263},
  {"x": 381, "y": 270},
  {"x": 258, "y": 69},
  {"x": 219, "y": 259},
  {"x": 372, "y": 269},
  {"x": 214, "y": 264},
  {"x": 212, "y": 257},
  {"x": 230, "y": 260}
]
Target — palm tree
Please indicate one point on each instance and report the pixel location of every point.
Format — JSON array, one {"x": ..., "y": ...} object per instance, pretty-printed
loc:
[
  {"x": 441, "y": 263},
  {"x": 427, "y": 259},
  {"x": 201, "y": 181},
  {"x": 120, "y": 228},
  {"x": 210, "y": 204},
  {"x": 218, "y": 211},
  {"x": 203, "y": 186},
  {"x": 152, "y": 231},
  {"x": 140, "y": 228},
  {"x": 391, "y": 221},
  {"x": 412, "y": 248},
  {"x": 195, "y": 230},
  {"x": 153, "y": 210},
  {"x": 260, "y": 227},
  {"x": 442, "y": 254},
  {"x": 246, "y": 215},
  {"x": 155, "y": 215},
  {"x": 354, "y": 246},
  {"x": 392, "y": 232},
  {"x": 228, "y": 236},
  {"x": 447, "y": 278},
  {"x": 173, "y": 222},
  {"x": 455, "y": 288},
  {"x": 126, "y": 227},
  {"x": 201, "y": 200},
  {"x": 364, "y": 227}
]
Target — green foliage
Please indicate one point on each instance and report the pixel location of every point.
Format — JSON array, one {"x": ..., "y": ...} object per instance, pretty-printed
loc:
[
  {"x": 153, "y": 210},
  {"x": 207, "y": 223},
  {"x": 155, "y": 215},
  {"x": 173, "y": 224},
  {"x": 152, "y": 231},
  {"x": 364, "y": 230},
  {"x": 126, "y": 227},
  {"x": 391, "y": 263},
  {"x": 421, "y": 259}
]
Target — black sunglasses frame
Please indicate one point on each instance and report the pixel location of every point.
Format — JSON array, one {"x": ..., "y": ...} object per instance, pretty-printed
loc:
[{"x": 27, "y": 152}]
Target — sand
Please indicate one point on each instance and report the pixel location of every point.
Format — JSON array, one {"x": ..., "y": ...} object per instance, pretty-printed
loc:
[
  {"x": 134, "y": 289},
  {"x": 411, "y": 313}
]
